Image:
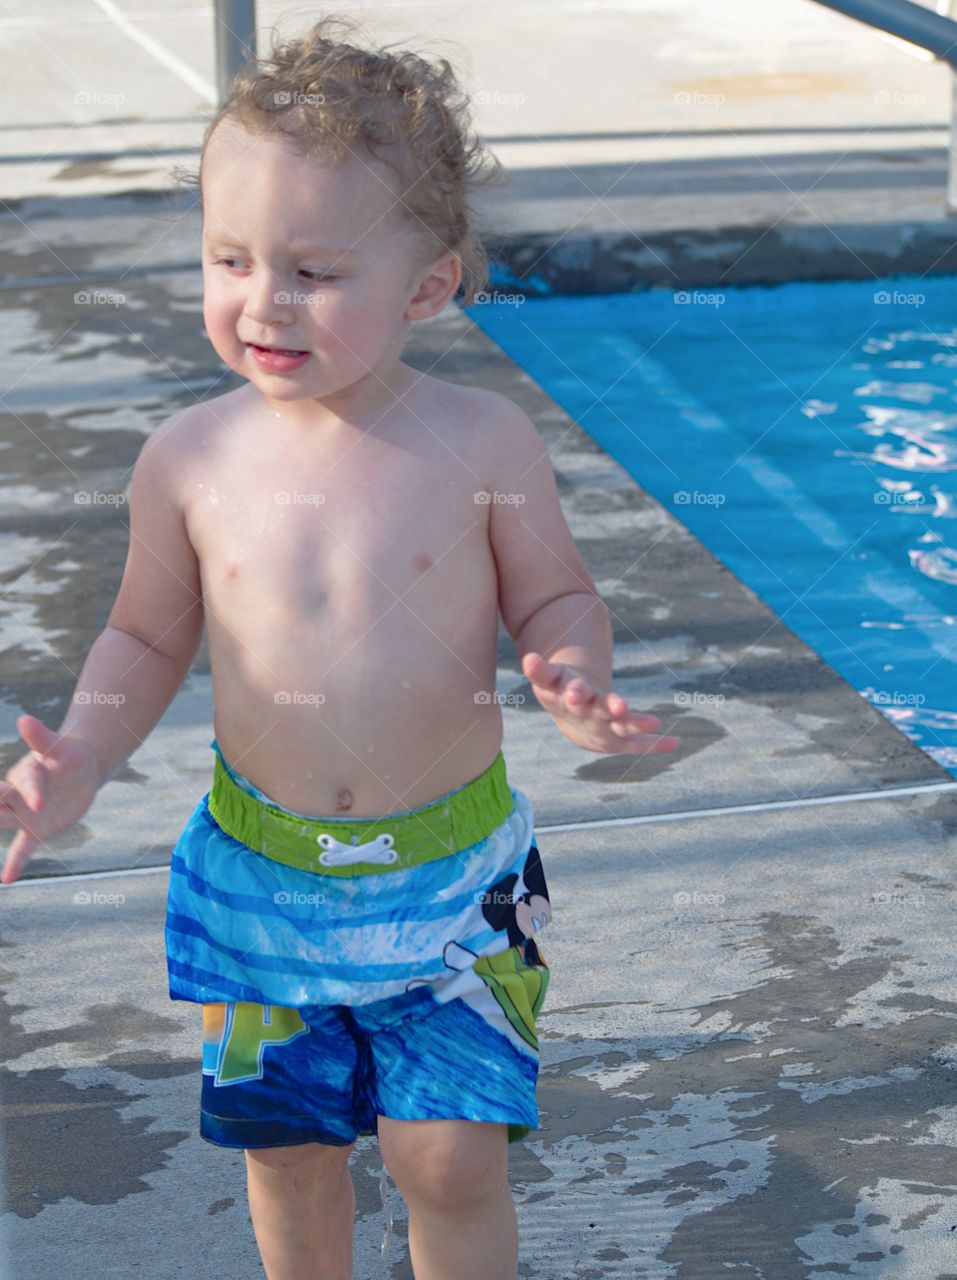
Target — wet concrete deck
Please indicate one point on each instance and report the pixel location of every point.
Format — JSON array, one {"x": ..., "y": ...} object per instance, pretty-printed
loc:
[{"x": 749, "y": 1057}]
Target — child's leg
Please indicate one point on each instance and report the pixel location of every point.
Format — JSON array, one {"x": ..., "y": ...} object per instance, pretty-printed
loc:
[
  {"x": 453, "y": 1175},
  {"x": 302, "y": 1203}
]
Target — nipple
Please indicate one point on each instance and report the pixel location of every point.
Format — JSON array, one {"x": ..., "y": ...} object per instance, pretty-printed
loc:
[{"x": 343, "y": 798}]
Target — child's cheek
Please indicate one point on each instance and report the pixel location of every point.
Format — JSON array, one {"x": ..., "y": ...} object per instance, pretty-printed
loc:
[
  {"x": 221, "y": 328},
  {"x": 351, "y": 337}
]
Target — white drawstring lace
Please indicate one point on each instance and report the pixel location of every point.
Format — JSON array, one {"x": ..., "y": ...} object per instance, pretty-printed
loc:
[
  {"x": 517, "y": 831},
  {"x": 338, "y": 854}
]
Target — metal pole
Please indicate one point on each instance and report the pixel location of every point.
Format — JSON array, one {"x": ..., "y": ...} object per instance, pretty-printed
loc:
[
  {"x": 911, "y": 22},
  {"x": 929, "y": 30},
  {"x": 950, "y": 206},
  {"x": 235, "y": 23}
]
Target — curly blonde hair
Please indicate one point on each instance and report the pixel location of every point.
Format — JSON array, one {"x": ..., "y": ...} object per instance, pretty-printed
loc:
[{"x": 334, "y": 98}]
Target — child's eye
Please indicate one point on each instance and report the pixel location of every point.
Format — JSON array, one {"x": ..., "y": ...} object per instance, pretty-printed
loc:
[{"x": 313, "y": 275}]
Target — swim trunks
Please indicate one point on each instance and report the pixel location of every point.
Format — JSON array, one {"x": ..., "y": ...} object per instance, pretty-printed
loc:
[{"x": 349, "y": 967}]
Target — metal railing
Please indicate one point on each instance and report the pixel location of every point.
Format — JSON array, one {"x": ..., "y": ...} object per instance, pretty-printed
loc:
[
  {"x": 929, "y": 30},
  {"x": 907, "y": 21}
]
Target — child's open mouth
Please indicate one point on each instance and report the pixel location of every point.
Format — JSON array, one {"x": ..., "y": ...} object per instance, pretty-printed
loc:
[{"x": 278, "y": 361}]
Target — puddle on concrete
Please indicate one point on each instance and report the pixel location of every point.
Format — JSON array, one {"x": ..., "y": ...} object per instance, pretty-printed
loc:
[{"x": 787, "y": 1145}]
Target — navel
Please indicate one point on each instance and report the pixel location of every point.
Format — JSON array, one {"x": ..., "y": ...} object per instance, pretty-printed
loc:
[{"x": 343, "y": 798}]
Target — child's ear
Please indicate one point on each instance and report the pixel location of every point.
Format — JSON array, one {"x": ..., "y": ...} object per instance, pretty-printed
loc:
[{"x": 433, "y": 286}]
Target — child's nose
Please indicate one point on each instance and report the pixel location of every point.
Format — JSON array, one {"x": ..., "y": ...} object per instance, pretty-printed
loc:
[{"x": 268, "y": 300}]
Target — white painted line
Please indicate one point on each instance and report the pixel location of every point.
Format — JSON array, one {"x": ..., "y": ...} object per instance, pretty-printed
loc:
[
  {"x": 88, "y": 875},
  {"x": 169, "y": 60},
  {"x": 73, "y": 19},
  {"x": 763, "y": 806}
]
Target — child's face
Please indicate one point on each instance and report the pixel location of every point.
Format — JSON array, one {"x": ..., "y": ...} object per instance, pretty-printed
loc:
[{"x": 308, "y": 256}]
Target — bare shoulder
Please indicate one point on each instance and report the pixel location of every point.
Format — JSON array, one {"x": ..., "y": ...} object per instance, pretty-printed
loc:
[
  {"x": 502, "y": 433},
  {"x": 175, "y": 445},
  {"x": 486, "y": 407},
  {"x": 197, "y": 423}
]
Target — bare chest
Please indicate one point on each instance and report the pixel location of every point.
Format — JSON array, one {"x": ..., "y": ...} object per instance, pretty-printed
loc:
[{"x": 384, "y": 529}]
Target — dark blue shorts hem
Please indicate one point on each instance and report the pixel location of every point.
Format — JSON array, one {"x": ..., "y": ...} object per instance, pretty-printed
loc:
[{"x": 254, "y": 1134}]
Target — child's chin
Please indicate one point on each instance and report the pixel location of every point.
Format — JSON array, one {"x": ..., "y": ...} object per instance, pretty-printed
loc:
[{"x": 276, "y": 389}]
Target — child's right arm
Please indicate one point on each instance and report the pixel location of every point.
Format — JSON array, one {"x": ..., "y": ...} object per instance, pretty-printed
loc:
[{"x": 131, "y": 674}]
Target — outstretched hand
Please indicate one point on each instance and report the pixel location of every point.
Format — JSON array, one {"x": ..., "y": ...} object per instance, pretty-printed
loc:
[
  {"x": 47, "y": 790},
  {"x": 589, "y": 716}
]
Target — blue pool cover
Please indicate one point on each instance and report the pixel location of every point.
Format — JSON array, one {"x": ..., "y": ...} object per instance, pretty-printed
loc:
[{"x": 806, "y": 433}]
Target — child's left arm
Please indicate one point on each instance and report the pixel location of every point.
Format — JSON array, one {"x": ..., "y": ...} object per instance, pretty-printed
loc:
[{"x": 549, "y": 603}]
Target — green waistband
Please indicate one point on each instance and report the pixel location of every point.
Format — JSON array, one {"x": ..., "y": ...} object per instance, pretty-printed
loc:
[{"x": 434, "y": 830}]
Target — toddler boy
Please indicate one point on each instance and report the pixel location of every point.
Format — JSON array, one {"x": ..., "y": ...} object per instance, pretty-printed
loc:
[{"x": 355, "y": 902}]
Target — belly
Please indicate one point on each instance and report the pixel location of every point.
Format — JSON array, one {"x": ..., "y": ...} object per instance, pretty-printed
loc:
[
  {"x": 352, "y": 642},
  {"x": 358, "y": 709}
]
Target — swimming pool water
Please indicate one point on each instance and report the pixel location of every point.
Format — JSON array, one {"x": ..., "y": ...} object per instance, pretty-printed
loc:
[{"x": 806, "y": 433}]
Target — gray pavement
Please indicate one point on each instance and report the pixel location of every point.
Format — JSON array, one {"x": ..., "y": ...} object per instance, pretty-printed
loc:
[
  {"x": 672, "y": 143},
  {"x": 748, "y": 1045}
]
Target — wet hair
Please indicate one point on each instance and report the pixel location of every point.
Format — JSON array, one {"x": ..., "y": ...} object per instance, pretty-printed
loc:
[{"x": 334, "y": 99}]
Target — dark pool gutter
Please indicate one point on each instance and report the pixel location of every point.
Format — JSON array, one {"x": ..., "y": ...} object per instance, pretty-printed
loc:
[{"x": 753, "y": 253}]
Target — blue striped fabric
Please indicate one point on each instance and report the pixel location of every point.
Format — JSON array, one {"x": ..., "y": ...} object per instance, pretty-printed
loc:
[{"x": 243, "y": 927}]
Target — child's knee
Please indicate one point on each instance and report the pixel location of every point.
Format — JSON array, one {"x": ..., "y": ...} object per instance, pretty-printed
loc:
[{"x": 445, "y": 1164}]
